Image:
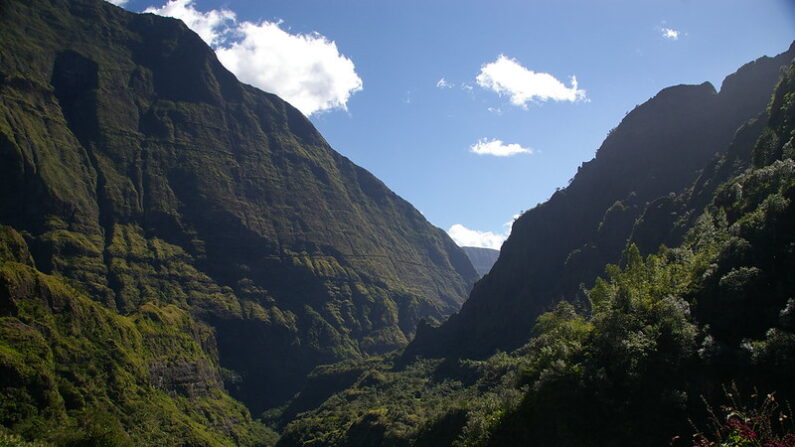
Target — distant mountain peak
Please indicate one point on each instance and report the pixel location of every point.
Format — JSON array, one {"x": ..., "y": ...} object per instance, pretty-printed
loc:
[{"x": 482, "y": 258}]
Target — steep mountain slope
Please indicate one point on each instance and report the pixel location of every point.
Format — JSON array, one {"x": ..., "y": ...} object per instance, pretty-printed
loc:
[
  {"x": 482, "y": 258},
  {"x": 141, "y": 173},
  {"x": 76, "y": 373},
  {"x": 709, "y": 321},
  {"x": 659, "y": 148}
]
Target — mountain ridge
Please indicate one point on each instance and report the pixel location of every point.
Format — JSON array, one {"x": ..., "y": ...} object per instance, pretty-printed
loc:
[
  {"x": 677, "y": 133},
  {"x": 663, "y": 346},
  {"x": 180, "y": 252},
  {"x": 139, "y": 171}
]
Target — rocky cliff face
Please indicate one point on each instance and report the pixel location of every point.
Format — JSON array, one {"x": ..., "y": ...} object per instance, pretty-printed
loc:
[
  {"x": 141, "y": 173},
  {"x": 658, "y": 149}
]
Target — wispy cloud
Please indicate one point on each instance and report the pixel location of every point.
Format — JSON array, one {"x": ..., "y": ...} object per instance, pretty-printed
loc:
[
  {"x": 306, "y": 70},
  {"x": 670, "y": 33},
  {"x": 444, "y": 83},
  {"x": 118, "y": 2},
  {"x": 498, "y": 148},
  {"x": 506, "y": 76}
]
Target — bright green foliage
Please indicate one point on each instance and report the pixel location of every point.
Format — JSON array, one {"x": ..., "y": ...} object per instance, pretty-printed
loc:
[
  {"x": 639, "y": 313},
  {"x": 557, "y": 345},
  {"x": 381, "y": 402},
  {"x": 429, "y": 402},
  {"x": 76, "y": 373},
  {"x": 7, "y": 440},
  {"x": 777, "y": 141}
]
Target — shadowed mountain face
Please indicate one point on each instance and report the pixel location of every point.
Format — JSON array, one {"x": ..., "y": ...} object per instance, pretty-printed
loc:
[
  {"x": 658, "y": 149},
  {"x": 482, "y": 258},
  {"x": 140, "y": 172},
  {"x": 707, "y": 320}
]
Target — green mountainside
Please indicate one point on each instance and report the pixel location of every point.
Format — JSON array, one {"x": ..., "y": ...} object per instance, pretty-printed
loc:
[
  {"x": 174, "y": 237},
  {"x": 659, "y": 149},
  {"x": 76, "y": 373},
  {"x": 185, "y": 261},
  {"x": 669, "y": 345}
]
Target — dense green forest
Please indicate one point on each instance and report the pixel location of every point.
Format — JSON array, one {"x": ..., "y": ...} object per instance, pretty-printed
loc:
[{"x": 185, "y": 261}]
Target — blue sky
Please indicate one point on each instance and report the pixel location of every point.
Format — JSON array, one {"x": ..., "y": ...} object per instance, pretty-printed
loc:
[{"x": 373, "y": 72}]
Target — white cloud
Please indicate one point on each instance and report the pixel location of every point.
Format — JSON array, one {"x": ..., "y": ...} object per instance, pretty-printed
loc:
[
  {"x": 465, "y": 237},
  {"x": 508, "y": 76},
  {"x": 670, "y": 33},
  {"x": 306, "y": 70},
  {"x": 498, "y": 148},
  {"x": 118, "y": 2},
  {"x": 495, "y": 110},
  {"x": 444, "y": 83}
]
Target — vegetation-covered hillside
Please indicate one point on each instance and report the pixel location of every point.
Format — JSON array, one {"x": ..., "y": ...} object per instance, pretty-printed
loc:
[
  {"x": 73, "y": 372},
  {"x": 185, "y": 261},
  {"x": 658, "y": 149},
  {"x": 162, "y": 202},
  {"x": 668, "y": 345}
]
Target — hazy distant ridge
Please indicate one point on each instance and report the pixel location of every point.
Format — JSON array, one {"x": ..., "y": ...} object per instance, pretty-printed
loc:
[{"x": 482, "y": 258}]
